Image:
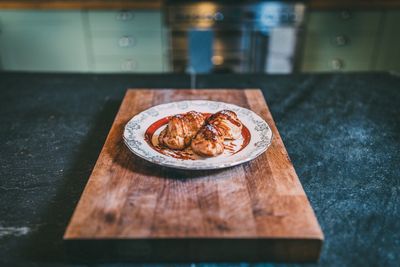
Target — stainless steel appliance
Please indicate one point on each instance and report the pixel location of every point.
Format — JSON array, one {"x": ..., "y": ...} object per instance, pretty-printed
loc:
[{"x": 234, "y": 36}]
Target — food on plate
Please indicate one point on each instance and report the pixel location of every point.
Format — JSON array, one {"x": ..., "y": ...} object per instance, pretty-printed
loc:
[
  {"x": 227, "y": 124},
  {"x": 223, "y": 125},
  {"x": 181, "y": 129},
  {"x": 205, "y": 136},
  {"x": 208, "y": 142}
]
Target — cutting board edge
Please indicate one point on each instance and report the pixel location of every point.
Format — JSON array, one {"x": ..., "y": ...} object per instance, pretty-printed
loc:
[
  {"x": 71, "y": 221},
  {"x": 310, "y": 237},
  {"x": 195, "y": 250}
]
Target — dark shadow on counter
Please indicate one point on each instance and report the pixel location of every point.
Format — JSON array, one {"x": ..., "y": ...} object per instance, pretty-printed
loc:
[{"x": 45, "y": 245}]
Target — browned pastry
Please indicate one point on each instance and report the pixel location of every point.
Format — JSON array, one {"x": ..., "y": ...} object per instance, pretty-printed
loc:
[
  {"x": 181, "y": 129},
  {"x": 222, "y": 125},
  {"x": 227, "y": 124},
  {"x": 208, "y": 142}
]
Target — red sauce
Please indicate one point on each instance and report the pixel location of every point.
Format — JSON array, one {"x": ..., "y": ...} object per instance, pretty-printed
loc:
[{"x": 187, "y": 153}]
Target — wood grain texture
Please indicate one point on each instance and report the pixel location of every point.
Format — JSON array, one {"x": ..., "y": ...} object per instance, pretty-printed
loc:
[{"x": 255, "y": 211}]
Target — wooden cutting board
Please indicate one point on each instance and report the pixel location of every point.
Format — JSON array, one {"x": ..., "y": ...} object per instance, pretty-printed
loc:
[{"x": 134, "y": 210}]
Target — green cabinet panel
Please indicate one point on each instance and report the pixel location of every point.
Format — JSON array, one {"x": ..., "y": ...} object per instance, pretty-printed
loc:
[
  {"x": 389, "y": 46},
  {"x": 124, "y": 20},
  {"x": 347, "y": 46},
  {"x": 336, "y": 41},
  {"x": 343, "y": 21},
  {"x": 131, "y": 41},
  {"x": 127, "y": 43},
  {"x": 128, "y": 63},
  {"x": 42, "y": 41},
  {"x": 325, "y": 63}
]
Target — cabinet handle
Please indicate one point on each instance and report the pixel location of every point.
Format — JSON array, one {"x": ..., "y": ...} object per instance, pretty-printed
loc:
[
  {"x": 337, "y": 64},
  {"x": 341, "y": 40},
  {"x": 128, "y": 65},
  {"x": 126, "y": 41},
  {"x": 124, "y": 16}
]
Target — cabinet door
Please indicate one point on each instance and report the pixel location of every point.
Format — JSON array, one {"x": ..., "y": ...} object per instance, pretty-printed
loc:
[
  {"x": 42, "y": 41},
  {"x": 127, "y": 41},
  {"x": 389, "y": 45},
  {"x": 126, "y": 20},
  {"x": 146, "y": 63},
  {"x": 343, "y": 21},
  {"x": 340, "y": 41}
]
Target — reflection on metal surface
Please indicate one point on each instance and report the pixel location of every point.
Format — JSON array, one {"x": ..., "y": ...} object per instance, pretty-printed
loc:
[
  {"x": 247, "y": 36},
  {"x": 217, "y": 60}
]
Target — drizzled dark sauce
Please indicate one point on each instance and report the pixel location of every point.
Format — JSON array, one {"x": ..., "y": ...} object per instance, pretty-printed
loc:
[
  {"x": 230, "y": 146},
  {"x": 227, "y": 115},
  {"x": 187, "y": 153}
]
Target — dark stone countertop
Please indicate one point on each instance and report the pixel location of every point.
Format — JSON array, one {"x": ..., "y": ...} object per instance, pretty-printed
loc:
[{"x": 342, "y": 132}]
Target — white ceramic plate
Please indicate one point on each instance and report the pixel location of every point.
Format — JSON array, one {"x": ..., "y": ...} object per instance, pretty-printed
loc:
[{"x": 135, "y": 136}]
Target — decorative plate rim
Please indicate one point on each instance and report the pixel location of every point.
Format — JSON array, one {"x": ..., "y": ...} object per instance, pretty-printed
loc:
[{"x": 259, "y": 129}]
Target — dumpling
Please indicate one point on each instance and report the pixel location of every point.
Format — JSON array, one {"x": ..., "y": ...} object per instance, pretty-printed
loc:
[
  {"x": 227, "y": 123},
  {"x": 181, "y": 129},
  {"x": 208, "y": 142}
]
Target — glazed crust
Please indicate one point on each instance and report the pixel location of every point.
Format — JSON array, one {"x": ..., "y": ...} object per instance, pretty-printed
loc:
[
  {"x": 227, "y": 124},
  {"x": 181, "y": 129},
  {"x": 206, "y": 137},
  {"x": 223, "y": 125},
  {"x": 208, "y": 142}
]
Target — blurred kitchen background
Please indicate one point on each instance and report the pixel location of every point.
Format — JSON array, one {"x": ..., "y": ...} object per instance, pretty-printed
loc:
[{"x": 141, "y": 36}]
